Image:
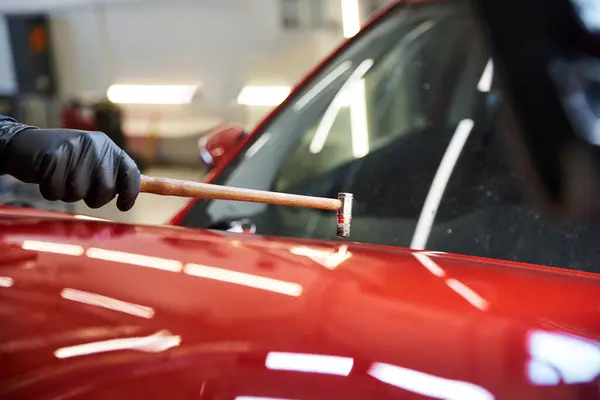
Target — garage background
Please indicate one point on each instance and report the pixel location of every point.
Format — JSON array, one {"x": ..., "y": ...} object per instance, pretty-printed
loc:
[{"x": 52, "y": 52}]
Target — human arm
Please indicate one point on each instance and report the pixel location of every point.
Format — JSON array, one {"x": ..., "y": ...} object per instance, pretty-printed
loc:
[{"x": 69, "y": 165}]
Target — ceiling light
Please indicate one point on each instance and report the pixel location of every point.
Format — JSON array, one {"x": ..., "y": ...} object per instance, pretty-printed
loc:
[
  {"x": 263, "y": 95},
  {"x": 350, "y": 18},
  {"x": 151, "y": 94}
]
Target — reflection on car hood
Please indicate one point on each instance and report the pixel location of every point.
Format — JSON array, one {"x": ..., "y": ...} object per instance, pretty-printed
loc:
[{"x": 164, "y": 312}]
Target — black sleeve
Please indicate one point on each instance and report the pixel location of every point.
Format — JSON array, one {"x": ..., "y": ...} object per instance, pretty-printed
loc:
[
  {"x": 8, "y": 128},
  {"x": 4, "y": 118}
]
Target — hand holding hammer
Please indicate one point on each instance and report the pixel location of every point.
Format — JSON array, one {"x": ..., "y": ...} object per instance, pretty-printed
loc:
[{"x": 180, "y": 188}]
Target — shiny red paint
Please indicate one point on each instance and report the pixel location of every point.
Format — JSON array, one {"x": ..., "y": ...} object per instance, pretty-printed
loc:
[
  {"x": 219, "y": 315},
  {"x": 229, "y": 156}
]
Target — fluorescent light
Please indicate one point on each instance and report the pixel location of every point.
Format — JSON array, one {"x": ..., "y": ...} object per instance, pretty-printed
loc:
[
  {"x": 135, "y": 259},
  {"x": 240, "y": 278},
  {"x": 110, "y": 303},
  {"x": 56, "y": 248},
  {"x": 158, "y": 342},
  {"x": 5, "y": 281},
  {"x": 263, "y": 95},
  {"x": 151, "y": 94},
  {"x": 427, "y": 384},
  {"x": 350, "y": 18},
  {"x": 314, "y": 363}
]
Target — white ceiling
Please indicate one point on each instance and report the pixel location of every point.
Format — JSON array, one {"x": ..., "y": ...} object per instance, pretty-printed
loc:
[{"x": 19, "y": 6}]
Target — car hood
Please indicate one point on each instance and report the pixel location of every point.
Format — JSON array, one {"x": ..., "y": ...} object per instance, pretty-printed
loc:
[{"x": 95, "y": 309}]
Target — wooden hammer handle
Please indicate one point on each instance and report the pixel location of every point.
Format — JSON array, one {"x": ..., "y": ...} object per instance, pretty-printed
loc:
[{"x": 175, "y": 187}]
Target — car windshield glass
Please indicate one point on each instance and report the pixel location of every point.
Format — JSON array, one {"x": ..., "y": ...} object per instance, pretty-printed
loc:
[{"x": 403, "y": 119}]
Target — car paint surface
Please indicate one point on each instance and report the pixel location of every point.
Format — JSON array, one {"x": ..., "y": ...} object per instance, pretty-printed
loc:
[{"x": 92, "y": 309}]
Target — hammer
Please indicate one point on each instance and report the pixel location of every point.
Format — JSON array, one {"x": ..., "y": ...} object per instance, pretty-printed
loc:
[{"x": 180, "y": 188}]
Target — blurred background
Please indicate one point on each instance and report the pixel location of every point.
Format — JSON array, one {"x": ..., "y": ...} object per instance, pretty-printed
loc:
[{"x": 157, "y": 75}]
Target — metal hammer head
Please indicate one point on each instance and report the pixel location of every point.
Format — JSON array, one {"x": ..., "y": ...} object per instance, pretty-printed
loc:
[{"x": 344, "y": 215}]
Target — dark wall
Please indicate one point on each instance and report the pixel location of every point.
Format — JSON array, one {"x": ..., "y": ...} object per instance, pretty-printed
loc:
[{"x": 31, "y": 47}]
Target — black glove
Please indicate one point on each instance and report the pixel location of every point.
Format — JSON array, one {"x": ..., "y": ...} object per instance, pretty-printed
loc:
[{"x": 72, "y": 165}]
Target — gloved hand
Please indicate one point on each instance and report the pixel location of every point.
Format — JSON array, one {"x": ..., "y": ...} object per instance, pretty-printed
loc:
[{"x": 72, "y": 165}]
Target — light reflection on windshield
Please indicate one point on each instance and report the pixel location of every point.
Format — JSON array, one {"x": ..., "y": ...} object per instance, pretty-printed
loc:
[
  {"x": 589, "y": 12},
  {"x": 346, "y": 95},
  {"x": 322, "y": 84},
  {"x": 440, "y": 181},
  {"x": 487, "y": 78}
]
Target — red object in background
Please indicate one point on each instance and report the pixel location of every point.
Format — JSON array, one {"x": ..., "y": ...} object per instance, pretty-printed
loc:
[
  {"x": 72, "y": 117},
  {"x": 100, "y": 311},
  {"x": 220, "y": 142},
  {"x": 38, "y": 39}
]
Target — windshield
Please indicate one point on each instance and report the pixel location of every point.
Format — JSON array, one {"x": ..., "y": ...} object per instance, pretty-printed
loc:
[{"x": 403, "y": 120}]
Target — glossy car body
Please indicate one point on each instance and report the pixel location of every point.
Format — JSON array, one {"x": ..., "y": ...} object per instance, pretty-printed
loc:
[
  {"x": 430, "y": 169},
  {"x": 93, "y": 309}
]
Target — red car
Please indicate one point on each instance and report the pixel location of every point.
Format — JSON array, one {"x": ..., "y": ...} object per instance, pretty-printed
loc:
[{"x": 94, "y": 310}]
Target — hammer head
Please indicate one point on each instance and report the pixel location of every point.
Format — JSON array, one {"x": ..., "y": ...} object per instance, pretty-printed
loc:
[{"x": 344, "y": 215}]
